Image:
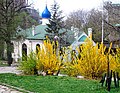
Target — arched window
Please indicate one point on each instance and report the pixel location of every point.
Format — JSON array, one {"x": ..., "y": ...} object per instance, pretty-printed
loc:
[
  {"x": 37, "y": 48},
  {"x": 24, "y": 51},
  {"x": 82, "y": 39}
]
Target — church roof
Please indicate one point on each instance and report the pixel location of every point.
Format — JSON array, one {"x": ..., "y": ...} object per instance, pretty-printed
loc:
[
  {"x": 40, "y": 33},
  {"x": 46, "y": 13}
]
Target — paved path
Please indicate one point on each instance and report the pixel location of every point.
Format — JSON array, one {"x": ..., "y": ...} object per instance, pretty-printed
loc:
[
  {"x": 9, "y": 70},
  {"x": 3, "y": 88}
]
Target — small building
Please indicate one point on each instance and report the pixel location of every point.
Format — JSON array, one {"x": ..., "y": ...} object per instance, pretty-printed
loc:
[
  {"x": 33, "y": 37},
  {"x": 82, "y": 36}
]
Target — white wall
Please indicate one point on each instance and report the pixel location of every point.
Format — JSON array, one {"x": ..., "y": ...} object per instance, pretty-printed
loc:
[{"x": 31, "y": 46}]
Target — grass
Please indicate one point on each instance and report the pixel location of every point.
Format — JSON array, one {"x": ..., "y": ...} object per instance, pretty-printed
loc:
[{"x": 54, "y": 84}]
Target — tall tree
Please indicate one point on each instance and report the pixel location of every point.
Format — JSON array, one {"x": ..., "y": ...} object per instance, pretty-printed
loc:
[
  {"x": 26, "y": 21},
  {"x": 94, "y": 22},
  {"x": 76, "y": 19},
  {"x": 9, "y": 12},
  {"x": 55, "y": 22},
  {"x": 86, "y": 19},
  {"x": 1, "y": 49},
  {"x": 113, "y": 12},
  {"x": 93, "y": 19},
  {"x": 113, "y": 15}
]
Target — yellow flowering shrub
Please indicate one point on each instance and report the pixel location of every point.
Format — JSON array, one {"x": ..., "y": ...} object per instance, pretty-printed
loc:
[
  {"x": 48, "y": 58},
  {"x": 87, "y": 60},
  {"x": 92, "y": 61},
  {"x": 72, "y": 69},
  {"x": 117, "y": 61},
  {"x": 114, "y": 59},
  {"x": 71, "y": 65}
]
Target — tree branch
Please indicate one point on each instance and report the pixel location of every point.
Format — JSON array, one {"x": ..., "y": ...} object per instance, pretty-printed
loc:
[{"x": 110, "y": 25}]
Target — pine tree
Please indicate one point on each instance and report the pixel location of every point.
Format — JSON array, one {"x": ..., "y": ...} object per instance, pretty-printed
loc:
[{"x": 55, "y": 22}]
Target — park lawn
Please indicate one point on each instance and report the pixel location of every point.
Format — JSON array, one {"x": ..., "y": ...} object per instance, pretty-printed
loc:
[{"x": 54, "y": 84}]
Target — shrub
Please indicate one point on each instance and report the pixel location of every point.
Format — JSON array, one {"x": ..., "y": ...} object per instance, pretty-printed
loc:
[
  {"x": 28, "y": 66},
  {"x": 91, "y": 61},
  {"x": 49, "y": 58},
  {"x": 72, "y": 69},
  {"x": 88, "y": 60},
  {"x": 117, "y": 61},
  {"x": 71, "y": 64}
]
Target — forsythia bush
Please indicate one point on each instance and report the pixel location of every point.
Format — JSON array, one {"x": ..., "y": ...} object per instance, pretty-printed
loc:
[
  {"x": 71, "y": 66},
  {"x": 92, "y": 61},
  {"x": 87, "y": 60},
  {"x": 48, "y": 58},
  {"x": 72, "y": 69},
  {"x": 117, "y": 61}
]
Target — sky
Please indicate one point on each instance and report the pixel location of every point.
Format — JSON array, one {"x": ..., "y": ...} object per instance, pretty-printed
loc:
[{"x": 68, "y": 6}]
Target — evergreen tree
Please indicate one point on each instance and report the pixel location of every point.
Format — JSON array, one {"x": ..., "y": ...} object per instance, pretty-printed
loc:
[{"x": 55, "y": 22}]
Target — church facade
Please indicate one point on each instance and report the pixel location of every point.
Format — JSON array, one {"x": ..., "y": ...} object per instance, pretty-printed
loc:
[{"x": 33, "y": 37}]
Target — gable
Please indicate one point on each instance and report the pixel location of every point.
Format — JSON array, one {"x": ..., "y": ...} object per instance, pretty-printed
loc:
[{"x": 82, "y": 39}]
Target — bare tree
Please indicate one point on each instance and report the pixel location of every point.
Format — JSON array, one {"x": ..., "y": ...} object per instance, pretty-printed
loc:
[
  {"x": 113, "y": 14},
  {"x": 85, "y": 19},
  {"x": 93, "y": 18},
  {"x": 76, "y": 19}
]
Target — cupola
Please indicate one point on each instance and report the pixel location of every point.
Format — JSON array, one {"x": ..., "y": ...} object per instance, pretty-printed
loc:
[{"x": 46, "y": 13}]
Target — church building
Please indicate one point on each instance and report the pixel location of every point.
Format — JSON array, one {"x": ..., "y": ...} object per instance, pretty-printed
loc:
[{"x": 34, "y": 36}]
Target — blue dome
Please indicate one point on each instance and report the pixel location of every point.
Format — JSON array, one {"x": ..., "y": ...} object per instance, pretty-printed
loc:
[{"x": 46, "y": 13}]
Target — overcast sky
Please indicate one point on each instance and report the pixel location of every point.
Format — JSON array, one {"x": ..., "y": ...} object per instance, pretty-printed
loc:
[{"x": 70, "y": 5}]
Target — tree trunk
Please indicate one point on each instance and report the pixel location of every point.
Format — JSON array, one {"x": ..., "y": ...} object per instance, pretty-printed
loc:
[
  {"x": 9, "y": 53},
  {"x": 1, "y": 49}
]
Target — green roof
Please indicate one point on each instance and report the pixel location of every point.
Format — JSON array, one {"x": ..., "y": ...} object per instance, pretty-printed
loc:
[
  {"x": 40, "y": 33},
  {"x": 118, "y": 25},
  {"x": 116, "y": 4}
]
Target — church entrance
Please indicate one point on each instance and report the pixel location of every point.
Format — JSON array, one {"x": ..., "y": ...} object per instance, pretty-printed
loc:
[
  {"x": 37, "y": 48},
  {"x": 24, "y": 52}
]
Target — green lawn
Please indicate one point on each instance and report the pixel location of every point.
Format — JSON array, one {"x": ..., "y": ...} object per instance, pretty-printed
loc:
[{"x": 54, "y": 84}]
